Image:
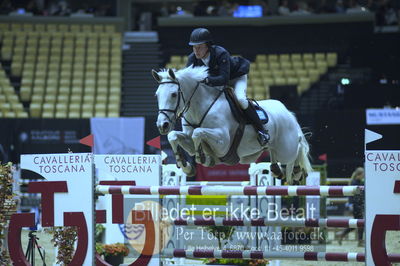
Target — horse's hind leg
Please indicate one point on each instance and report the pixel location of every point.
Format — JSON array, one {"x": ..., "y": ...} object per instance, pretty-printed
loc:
[
  {"x": 289, "y": 172},
  {"x": 298, "y": 172},
  {"x": 276, "y": 171}
]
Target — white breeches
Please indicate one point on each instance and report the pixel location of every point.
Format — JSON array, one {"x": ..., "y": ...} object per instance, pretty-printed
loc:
[{"x": 240, "y": 86}]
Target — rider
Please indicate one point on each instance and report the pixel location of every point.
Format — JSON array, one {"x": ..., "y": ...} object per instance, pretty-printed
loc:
[{"x": 225, "y": 70}]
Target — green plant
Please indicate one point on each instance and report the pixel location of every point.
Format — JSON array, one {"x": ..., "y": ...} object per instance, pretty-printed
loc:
[
  {"x": 64, "y": 239},
  {"x": 221, "y": 233},
  {"x": 8, "y": 206},
  {"x": 225, "y": 233},
  {"x": 99, "y": 248},
  {"x": 100, "y": 229},
  {"x": 112, "y": 249}
]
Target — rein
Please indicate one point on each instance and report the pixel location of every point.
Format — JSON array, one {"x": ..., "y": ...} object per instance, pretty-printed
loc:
[
  {"x": 205, "y": 114},
  {"x": 186, "y": 106}
]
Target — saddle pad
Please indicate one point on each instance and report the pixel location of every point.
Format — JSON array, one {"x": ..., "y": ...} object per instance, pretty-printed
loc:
[{"x": 237, "y": 112}]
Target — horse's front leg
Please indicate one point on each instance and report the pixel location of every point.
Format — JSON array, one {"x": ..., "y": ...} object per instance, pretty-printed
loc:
[
  {"x": 208, "y": 140},
  {"x": 179, "y": 140}
]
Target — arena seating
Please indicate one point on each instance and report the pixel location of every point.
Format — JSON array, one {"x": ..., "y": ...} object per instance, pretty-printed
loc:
[
  {"x": 10, "y": 106},
  {"x": 65, "y": 70},
  {"x": 297, "y": 69}
]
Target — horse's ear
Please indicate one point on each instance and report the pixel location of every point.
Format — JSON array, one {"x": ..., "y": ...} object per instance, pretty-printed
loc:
[
  {"x": 155, "y": 75},
  {"x": 171, "y": 74}
]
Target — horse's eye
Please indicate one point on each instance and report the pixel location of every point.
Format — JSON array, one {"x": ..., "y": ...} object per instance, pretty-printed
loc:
[{"x": 174, "y": 94}]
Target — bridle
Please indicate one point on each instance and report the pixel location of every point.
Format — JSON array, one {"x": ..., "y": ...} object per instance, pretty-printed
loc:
[
  {"x": 186, "y": 105},
  {"x": 173, "y": 111}
]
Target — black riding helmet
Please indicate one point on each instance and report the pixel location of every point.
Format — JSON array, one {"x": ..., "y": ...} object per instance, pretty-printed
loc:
[{"x": 199, "y": 36}]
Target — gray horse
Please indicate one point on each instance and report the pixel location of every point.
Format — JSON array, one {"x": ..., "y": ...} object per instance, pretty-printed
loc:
[{"x": 209, "y": 126}]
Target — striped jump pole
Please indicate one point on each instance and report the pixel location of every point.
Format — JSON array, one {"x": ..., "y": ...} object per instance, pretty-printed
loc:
[
  {"x": 333, "y": 223},
  {"x": 247, "y": 254},
  {"x": 232, "y": 190},
  {"x": 217, "y": 183}
]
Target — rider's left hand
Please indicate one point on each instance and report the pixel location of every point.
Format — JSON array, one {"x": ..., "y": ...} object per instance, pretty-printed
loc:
[{"x": 205, "y": 81}]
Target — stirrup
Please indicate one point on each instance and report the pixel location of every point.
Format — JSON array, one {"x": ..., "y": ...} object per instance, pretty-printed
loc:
[{"x": 263, "y": 138}]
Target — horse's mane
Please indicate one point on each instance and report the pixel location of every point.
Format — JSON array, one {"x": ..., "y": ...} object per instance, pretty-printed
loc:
[{"x": 194, "y": 73}]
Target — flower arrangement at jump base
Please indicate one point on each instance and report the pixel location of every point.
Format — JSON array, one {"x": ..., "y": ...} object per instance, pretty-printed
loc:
[
  {"x": 224, "y": 233},
  {"x": 238, "y": 262},
  {"x": 113, "y": 253},
  {"x": 8, "y": 206}
]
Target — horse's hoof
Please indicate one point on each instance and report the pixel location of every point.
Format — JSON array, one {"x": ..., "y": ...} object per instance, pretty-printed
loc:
[
  {"x": 280, "y": 177},
  {"x": 192, "y": 172},
  {"x": 283, "y": 181}
]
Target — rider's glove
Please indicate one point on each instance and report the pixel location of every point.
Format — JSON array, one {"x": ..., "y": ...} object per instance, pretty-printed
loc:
[{"x": 205, "y": 81}]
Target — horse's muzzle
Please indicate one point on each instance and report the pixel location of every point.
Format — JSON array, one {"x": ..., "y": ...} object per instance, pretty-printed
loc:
[{"x": 164, "y": 128}]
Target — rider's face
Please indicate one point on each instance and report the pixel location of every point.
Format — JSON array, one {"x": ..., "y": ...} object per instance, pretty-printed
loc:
[{"x": 200, "y": 50}]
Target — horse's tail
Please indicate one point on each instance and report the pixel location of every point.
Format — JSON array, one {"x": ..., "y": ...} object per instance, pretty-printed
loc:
[{"x": 304, "y": 156}]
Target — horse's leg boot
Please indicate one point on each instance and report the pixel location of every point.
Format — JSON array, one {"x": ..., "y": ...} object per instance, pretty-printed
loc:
[
  {"x": 297, "y": 173},
  {"x": 179, "y": 156},
  {"x": 276, "y": 171}
]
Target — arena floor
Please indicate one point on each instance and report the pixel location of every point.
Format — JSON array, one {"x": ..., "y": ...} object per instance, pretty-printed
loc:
[{"x": 392, "y": 243}]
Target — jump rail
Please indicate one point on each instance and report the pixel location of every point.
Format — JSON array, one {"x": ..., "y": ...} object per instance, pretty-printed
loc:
[
  {"x": 217, "y": 183},
  {"x": 232, "y": 190},
  {"x": 247, "y": 254},
  {"x": 344, "y": 223}
]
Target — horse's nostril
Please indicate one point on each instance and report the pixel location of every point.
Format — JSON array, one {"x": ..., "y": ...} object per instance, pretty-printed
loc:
[{"x": 165, "y": 125}]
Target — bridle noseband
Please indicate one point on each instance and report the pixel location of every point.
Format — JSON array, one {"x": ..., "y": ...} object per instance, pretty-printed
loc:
[{"x": 174, "y": 111}]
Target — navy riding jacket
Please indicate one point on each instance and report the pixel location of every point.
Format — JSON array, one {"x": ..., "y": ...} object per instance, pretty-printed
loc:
[{"x": 222, "y": 66}]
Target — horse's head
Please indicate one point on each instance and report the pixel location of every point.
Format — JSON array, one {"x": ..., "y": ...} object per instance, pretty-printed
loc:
[
  {"x": 169, "y": 99},
  {"x": 173, "y": 93}
]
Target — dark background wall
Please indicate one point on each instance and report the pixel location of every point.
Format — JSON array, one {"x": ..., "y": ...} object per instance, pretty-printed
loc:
[{"x": 290, "y": 38}]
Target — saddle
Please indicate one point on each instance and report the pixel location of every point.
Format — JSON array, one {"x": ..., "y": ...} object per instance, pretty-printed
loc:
[{"x": 231, "y": 156}]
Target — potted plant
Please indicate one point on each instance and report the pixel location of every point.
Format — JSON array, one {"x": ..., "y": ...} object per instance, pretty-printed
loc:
[{"x": 113, "y": 253}]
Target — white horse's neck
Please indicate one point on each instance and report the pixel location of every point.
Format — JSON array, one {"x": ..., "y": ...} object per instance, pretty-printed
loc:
[{"x": 202, "y": 97}]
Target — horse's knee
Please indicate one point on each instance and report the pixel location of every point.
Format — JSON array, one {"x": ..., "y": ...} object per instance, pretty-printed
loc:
[
  {"x": 172, "y": 136},
  {"x": 197, "y": 135}
]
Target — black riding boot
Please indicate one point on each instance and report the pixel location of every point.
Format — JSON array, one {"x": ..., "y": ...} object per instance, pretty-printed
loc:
[{"x": 263, "y": 136}]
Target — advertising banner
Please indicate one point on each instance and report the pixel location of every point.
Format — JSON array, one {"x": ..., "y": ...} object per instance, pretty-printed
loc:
[{"x": 66, "y": 176}]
